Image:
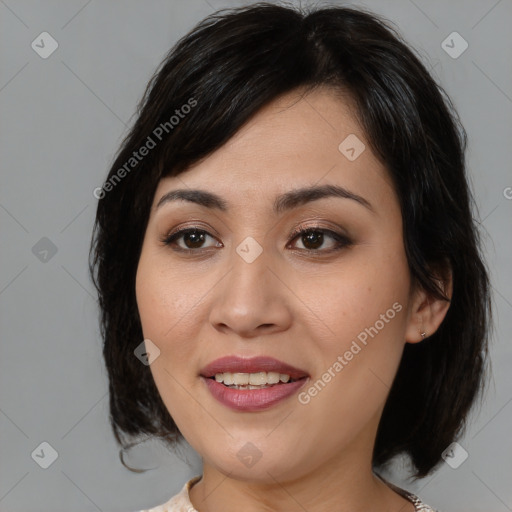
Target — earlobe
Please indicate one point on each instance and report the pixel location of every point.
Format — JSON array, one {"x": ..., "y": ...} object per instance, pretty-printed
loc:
[{"x": 428, "y": 311}]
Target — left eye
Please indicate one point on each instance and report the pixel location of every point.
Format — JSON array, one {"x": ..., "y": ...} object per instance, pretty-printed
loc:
[{"x": 313, "y": 238}]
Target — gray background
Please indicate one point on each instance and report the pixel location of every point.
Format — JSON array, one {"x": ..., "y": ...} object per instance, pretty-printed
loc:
[{"x": 62, "y": 121}]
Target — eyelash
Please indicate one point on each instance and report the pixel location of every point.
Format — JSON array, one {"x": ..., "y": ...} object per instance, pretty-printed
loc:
[{"x": 342, "y": 241}]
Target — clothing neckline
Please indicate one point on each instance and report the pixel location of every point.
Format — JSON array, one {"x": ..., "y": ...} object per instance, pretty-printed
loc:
[{"x": 419, "y": 506}]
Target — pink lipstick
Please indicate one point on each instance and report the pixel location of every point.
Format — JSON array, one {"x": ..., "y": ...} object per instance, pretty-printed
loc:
[{"x": 252, "y": 384}]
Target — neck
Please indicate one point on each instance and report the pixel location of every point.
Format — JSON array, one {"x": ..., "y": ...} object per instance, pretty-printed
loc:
[{"x": 344, "y": 483}]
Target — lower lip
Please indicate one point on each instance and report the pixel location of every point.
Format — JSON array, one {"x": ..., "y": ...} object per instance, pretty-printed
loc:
[{"x": 250, "y": 400}]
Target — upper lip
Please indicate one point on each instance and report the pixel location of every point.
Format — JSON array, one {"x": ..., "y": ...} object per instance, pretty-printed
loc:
[{"x": 236, "y": 364}]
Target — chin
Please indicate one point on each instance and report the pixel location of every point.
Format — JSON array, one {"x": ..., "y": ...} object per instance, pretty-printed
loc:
[{"x": 263, "y": 465}]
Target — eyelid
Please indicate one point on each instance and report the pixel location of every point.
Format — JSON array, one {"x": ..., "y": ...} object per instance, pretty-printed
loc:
[
  {"x": 191, "y": 225},
  {"x": 317, "y": 225}
]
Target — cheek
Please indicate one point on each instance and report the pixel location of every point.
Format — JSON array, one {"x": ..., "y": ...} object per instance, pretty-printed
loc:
[
  {"x": 167, "y": 304},
  {"x": 166, "y": 299},
  {"x": 167, "y": 307},
  {"x": 365, "y": 316},
  {"x": 354, "y": 298},
  {"x": 368, "y": 314}
]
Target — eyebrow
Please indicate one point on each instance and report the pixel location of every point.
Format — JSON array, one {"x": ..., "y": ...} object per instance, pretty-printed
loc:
[{"x": 284, "y": 202}]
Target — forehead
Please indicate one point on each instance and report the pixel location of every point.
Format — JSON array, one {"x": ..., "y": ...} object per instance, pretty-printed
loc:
[
  {"x": 293, "y": 128},
  {"x": 296, "y": 140}
]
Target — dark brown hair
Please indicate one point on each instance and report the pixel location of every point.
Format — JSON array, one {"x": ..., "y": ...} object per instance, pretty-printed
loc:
[{"x": 231, "y": 65}]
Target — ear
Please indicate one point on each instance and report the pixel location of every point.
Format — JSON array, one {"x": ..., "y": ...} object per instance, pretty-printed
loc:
[{"x": 427, "y": 312}]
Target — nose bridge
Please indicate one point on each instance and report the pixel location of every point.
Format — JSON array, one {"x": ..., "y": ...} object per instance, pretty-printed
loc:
[
  {"x": 250, "y": 295},
  {"x": 248, "y": 278}
]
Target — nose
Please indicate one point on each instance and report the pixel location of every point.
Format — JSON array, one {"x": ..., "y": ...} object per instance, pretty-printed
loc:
[{"x": 252, "y": 299}]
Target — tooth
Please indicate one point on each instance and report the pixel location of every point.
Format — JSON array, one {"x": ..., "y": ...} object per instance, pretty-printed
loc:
[
  {"x": 255, "y": 379},
  {"x": 259, "y": 378},
  {"x": 228, "y": 379},
  {"x": 272, "y": 377},
  {"x": 241, "y": 379}
]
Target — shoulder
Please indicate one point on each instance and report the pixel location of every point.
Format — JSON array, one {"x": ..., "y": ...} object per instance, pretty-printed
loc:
[{"x": 179, "y": 502}]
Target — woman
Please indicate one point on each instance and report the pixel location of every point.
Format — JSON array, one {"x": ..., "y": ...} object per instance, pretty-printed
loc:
[{"x": 288, "y": 270}]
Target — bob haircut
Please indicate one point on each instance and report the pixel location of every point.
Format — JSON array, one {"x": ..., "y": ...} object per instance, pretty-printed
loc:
[{"x": 213, "y": 81}]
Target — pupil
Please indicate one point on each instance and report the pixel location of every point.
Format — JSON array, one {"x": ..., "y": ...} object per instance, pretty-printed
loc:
[
  {"x": 313, "y": 238},
  {"x": 195, "y": 238}
]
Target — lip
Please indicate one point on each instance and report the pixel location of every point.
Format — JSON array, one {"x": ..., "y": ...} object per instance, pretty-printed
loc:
[
  {"x": 236, "y": 364},
  {"x": 252, "y": 400}
]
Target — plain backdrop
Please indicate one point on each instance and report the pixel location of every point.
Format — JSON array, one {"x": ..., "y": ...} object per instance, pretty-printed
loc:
[{"x": 62, "y": 119}]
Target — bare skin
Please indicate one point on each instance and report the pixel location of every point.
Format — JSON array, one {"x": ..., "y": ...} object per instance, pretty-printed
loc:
[{"x": 300, "y": 301}]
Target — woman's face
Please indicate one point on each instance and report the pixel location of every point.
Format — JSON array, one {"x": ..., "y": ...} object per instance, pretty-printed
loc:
[{"x": 334, "y": 302}]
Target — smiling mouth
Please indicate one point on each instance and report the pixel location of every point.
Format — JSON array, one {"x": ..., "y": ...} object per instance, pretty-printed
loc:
[
  {"x": 252, "y": 384},
  {"x": 255, "y": 392}
]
